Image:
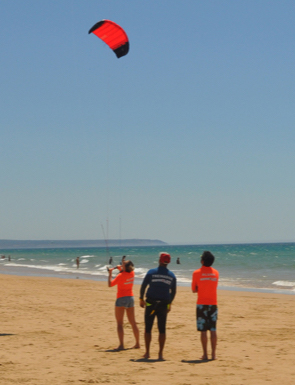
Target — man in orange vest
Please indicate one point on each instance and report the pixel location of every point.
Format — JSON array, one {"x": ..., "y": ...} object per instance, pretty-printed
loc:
[{"x": 204, "y": 282}]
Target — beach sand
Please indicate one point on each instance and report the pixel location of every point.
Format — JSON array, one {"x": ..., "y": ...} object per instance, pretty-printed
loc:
[{"x": 62, "y": 331}]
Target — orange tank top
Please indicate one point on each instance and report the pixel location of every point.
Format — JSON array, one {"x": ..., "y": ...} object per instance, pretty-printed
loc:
[
  {"x": 206, "y": 280},
  {"x": 124, "y": 281}
]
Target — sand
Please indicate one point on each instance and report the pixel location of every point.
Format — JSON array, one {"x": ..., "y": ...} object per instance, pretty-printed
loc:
[{"x": 62, "y": 331}]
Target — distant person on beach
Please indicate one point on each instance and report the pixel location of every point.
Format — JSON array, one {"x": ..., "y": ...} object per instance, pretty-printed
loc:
[
  {"x": 161, "y": 291},
  {"x": 204, "y": 282},
  {"x": 78, "y": 262},
  {"x": 178, "y": 261},
  {"x": 111, "y": 261},
  {"x": 125, "y": 300}
]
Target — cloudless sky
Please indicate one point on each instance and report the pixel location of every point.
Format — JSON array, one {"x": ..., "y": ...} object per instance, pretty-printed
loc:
[{"x": 188, "y": 139}]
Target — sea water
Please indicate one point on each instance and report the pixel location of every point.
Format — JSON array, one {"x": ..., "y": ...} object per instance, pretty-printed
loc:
[{"x": 259, "y": 267}]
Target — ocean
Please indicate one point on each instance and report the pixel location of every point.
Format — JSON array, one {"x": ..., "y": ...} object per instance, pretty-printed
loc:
[{"x": 267, "y": 267}]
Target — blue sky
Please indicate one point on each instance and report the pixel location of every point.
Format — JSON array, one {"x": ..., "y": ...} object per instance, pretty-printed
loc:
[{"x": 187, "y": 139}]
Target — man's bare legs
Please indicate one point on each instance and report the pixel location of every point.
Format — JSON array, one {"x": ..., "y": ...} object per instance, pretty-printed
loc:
[
  {"x": 147, "y": 339},
  {"x": 204, "y": 342},
  {"x": 162, "y": 339},
  {"x": 213, "y": 344}
]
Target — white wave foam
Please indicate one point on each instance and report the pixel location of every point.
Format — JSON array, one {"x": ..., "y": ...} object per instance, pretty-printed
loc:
[
  {"x": 182, "y": 279},
  {"x": 61, "y": 268},
  {"x": 140, "y": 272},
  {"x": 284, "y": 283},
  {"x": 103, "y": 268},
  {"x": 56, "y": 268}
]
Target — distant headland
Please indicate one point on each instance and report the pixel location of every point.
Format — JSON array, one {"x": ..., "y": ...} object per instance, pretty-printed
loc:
[{"x": 44, "y": 244}]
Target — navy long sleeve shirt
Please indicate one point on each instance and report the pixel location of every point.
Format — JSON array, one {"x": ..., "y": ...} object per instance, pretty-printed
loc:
[{"x": 162, "y": 284}]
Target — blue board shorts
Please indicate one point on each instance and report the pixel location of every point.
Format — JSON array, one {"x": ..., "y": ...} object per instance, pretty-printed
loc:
[
  {"x": 206, "y": 317},
  {"x": 125, "y": 302}
]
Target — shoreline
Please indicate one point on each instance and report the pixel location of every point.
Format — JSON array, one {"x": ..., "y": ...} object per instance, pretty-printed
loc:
[
  {"x": 63, "y": 331},
  {"x": 30, "y": 272},
  {"x": 262, "y": 268}
]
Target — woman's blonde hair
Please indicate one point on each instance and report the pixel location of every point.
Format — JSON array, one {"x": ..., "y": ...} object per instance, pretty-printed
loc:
[{"x": 129, "y": 266}]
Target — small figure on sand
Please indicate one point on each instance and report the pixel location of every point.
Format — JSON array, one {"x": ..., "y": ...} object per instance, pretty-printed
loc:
[
  {"x": 125, "y": 301},
  {"x": 78, "y": 262},
  {"x": 159, "y": 296},
  {"x": 178, "y": 261},
  {"x": 204, "y": 282},
  {"x": 111, "y": 261}
]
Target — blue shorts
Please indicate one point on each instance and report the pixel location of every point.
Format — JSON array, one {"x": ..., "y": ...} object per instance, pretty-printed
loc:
[
  {"x": 206, "y": 317},
  {"x": 125, "y": 302}
]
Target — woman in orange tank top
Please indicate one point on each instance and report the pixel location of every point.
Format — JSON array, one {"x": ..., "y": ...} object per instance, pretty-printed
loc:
[{"x": 125, "y": 300}]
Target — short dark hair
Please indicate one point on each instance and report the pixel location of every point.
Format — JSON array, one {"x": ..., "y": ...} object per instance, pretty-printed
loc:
[
  {"x": 129, "y": 266},
  {"x": 208, "y": 258}
]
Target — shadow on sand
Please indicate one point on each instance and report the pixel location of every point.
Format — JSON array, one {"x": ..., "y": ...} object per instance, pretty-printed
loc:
[
  {"x": 6, "y": 334},
  {"x": 116, "y": 350},
  {"x": 195, "y": 361},
  {"x": 149, "y": 360}
]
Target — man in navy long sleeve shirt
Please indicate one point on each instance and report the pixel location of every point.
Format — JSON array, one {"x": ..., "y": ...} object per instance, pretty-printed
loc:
[{"x": 161, "y": 291}]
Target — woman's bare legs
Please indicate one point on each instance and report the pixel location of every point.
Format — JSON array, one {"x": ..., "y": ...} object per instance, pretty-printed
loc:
[
  {"x": 131, "y": 318},
  {"x": 119, "y": 313}
]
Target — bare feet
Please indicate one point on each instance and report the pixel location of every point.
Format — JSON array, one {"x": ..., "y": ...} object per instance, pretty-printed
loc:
[
  {"x": 146, "y": 356},
  {"x": 136, "y": 346},
  {"x": 120, "y": 347},
  {"x": 204, "y": 358},
  {"x": 161, "y": 358}
]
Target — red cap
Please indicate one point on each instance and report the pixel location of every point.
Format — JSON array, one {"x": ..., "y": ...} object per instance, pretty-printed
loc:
[{"x": 165, "y": 258}]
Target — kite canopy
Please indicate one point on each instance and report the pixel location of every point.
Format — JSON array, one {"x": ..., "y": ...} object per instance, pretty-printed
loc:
[{"x": 113, "y": 35}]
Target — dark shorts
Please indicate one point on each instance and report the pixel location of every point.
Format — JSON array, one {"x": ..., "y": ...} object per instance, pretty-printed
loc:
[
  {"x": 153, "y": 309},
  {"x": 206, "y": 317}
]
